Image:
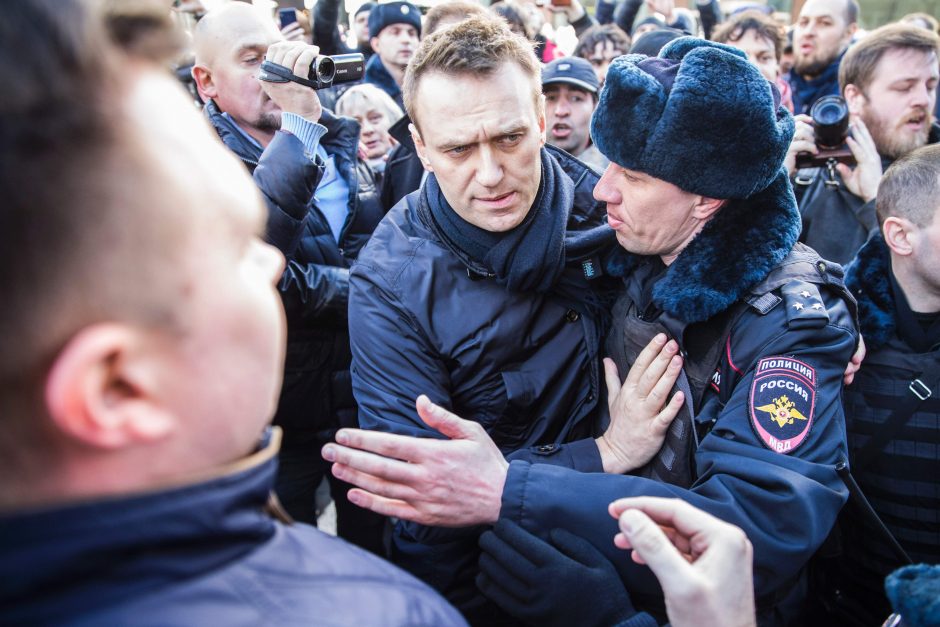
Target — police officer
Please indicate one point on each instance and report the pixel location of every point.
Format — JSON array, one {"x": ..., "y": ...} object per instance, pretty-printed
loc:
[
  {"x": 696, "y": 192},
  {"x": 892, "y": 408}
]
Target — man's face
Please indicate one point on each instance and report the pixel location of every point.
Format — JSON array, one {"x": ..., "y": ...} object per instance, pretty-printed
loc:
[
  {"x": 396, "y": 44},
  {"x": 649, "y": 215},
  {"x": 568, "y": 112},
  {"x": 239, "y": 51},
  {"x": 481, "y": 136},
  {"x": 760, "y": 52},
  {"x": 821, "y": 34},
  {"x": 222, "y": 369},
  {"x": 361, "y": 26},
  {"x": 898, "y": 104},
  {"x": 600, "y": 58}
]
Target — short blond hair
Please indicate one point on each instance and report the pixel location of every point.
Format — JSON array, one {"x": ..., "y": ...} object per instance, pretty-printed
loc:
[
  {"x": 478, "y": 46},
  {"x": 371, "y": 95}
]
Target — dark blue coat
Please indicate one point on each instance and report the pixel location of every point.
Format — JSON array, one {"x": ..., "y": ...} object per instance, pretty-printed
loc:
[
  {"x": 198, "y": 554},
  {"x": 316, "y": 395},
  {"x": 524, "y": 365},
  {"x": 786, "y": 502}
]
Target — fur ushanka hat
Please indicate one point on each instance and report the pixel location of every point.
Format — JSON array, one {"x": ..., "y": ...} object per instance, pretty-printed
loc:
[{"x": 699, "y": 116}]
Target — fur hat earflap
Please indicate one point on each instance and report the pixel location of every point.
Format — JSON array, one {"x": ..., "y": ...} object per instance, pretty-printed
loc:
[{"x": 699, "y": 116}]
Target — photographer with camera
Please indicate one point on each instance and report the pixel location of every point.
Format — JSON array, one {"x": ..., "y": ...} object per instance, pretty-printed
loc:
[
  {"x": 889, "y": 84},
  {"x": 323, "y": 207}
]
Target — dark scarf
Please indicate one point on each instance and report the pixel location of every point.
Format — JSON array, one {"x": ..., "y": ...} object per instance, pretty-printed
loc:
[
  {"x": 531, "y": 256},
  {"x": 806, "y": 92}
]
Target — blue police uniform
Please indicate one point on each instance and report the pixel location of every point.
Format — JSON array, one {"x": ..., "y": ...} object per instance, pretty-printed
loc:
[{"x": 766, "y": 329}]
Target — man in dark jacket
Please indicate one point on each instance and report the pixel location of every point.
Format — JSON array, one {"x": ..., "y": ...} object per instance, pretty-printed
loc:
[
  {"x": 891, "y": 409},
  {"x": 821, "y": 36},
  {"x": 326, "y": 35},
  {"x": 305, "y": 161},
  {"x": 484, "y": 289},
  {"x": 394, "y": 31},
  {"x": 764, "y": 325},
  {"x": 889, "y": 80},
  {"x": 142, "y": 342}
]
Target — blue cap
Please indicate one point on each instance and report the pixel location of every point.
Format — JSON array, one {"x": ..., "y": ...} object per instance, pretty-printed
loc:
[
  {"x": 571, "y": 71},
  {"x": 383, "y": 15}
]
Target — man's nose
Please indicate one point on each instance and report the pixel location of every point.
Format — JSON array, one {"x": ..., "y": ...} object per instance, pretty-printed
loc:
[
  {"x": 562, "y": 109},
  {"x": 489, "y": 170}
]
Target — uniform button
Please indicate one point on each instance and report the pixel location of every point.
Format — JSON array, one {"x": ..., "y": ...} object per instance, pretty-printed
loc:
[
  {"x": 546, "y": 448},
  {"x": 591, "y": 396},
  {"x": 822, "y": 267},
  {"x": 572, "y": 316}
]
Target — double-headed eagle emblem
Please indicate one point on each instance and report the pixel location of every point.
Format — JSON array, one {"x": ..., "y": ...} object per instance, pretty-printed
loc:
[{"x": 782, "y": 411}]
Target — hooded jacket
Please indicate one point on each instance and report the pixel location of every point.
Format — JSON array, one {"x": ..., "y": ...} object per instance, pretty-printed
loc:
[{"x": 204, "y": 553}]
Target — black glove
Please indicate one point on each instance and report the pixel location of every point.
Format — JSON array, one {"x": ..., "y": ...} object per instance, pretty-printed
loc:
[{"x": 567, "y": 582}]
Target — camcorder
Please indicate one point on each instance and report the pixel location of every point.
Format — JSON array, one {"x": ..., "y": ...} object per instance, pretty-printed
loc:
[
  {"x": 830, "y": 129},
  {"x": 325, "y": 71}
]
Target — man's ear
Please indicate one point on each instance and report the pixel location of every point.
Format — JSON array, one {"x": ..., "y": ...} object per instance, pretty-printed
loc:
[
  {"x": 420, "y": 148},
  {"x": 900, "y": 235},
  {"x": 99, "y": 391},
  {"x": 854, "y": 98},
  {"x": 374, "y": 42},
  {"x": 705, "y": 207},
  {"x": 204, "y": 83},
  {"x": 541, "y": 114}
]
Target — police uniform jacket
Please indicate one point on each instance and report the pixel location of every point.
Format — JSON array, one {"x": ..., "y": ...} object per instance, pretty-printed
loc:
[
  {"x": 901, "y": 478},
  {"x": 763, "y": 428},
  {"x": 202, "y": 553}
]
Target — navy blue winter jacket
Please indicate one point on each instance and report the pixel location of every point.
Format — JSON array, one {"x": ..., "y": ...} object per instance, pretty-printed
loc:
[
  {"x": 199, "y": 554},
  {"x": 316, "y": 395},
  {"x": 525, "y": 365}
]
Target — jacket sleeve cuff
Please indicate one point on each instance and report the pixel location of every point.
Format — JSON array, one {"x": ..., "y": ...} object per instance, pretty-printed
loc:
[
  {"x": 309, "y": 133},
  {"x": 580, "y": 455},
  {"x": 513, "y": 502}
]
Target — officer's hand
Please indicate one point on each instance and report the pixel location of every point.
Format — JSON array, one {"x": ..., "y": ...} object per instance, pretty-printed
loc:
[
  {"x": 291, "y": 97},
  {"x": 567, "y": 582},
  {"x": 855, "y": 363},
  {"x": 446, "y": 483},
  {"x": 803, "y": 141},
  {"x": 703, "y": 564},
  {"x": 639, "y": 412},
  {"x": 863, "y": 179}
]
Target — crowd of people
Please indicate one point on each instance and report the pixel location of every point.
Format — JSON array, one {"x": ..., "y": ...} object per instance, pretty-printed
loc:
[{"x": 644, "y": 334}]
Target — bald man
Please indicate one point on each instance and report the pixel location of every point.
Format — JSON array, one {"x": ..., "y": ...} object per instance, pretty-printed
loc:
[{"x": 322, "y": 207}]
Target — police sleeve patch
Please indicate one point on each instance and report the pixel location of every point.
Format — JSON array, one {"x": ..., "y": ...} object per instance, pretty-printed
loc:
[{"x": 783, "y": 396}]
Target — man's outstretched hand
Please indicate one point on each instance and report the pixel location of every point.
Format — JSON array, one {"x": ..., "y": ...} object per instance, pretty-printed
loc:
[{"x": 456, "y": 482}]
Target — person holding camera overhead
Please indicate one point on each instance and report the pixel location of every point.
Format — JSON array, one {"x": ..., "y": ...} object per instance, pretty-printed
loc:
[
  {"x": 323, "y": 206},
  {"x": 889, "y": 84}
]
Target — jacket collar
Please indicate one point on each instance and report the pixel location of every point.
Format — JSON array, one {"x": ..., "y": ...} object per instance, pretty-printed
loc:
[
  {"x": 736, "y": 250},
  {"x": 84, "y": 556},
  {"x": 867, "y": 278},
  {"x": 378, "y": 75}
]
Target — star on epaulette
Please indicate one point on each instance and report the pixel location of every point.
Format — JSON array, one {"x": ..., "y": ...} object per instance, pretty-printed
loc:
[
  {"x": 805, "y": 294},
  {"x": 817, "y": 306},
  {"x": 798, "y": 306}
]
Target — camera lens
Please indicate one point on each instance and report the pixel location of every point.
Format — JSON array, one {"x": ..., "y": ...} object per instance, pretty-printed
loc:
[
  {"x": 324, "y": 69},
  {"x": 831, "y": 121}
]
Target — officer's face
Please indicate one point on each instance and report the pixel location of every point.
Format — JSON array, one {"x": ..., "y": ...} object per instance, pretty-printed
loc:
[
  {"x": 898, "y": 104},
  {"x": 481, "y": 137},
  {"x": 396, "y": 44},
  {"x": 649, "y": 215}
]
